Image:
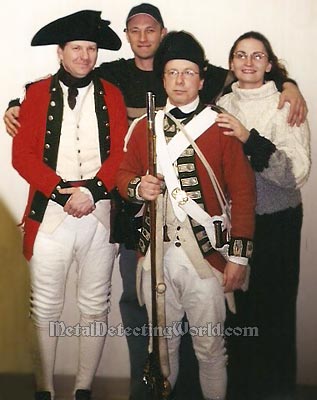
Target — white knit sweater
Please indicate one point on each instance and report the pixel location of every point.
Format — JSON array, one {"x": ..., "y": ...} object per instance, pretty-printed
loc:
[{"x": 287, "y": 165}]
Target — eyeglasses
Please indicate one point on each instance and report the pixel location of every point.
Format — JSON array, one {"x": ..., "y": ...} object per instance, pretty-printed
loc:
[
  {"x": 187, "y": 74},
  {"x": 256, "y": 56}
]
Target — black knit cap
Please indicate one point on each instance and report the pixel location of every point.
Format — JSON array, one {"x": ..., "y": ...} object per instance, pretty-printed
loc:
[
  {"x": 179, "y": 45},
  {"x": 82, "y": 25},
  {"x": 148, "y": 9}
]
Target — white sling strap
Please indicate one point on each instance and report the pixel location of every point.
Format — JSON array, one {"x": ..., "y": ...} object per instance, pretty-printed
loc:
[
  {"x": 198, "y": 125},
  {"x": 224, "y": 204},
  {"x": 130, "y": 131},
  {"x": 167, "y": 154},
  {"x": 182, "y": 204}
]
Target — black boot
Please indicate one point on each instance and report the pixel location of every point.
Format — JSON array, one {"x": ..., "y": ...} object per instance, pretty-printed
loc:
[
  {"x": 83, "y": 394},
  {"x": 42, "y": 396}
]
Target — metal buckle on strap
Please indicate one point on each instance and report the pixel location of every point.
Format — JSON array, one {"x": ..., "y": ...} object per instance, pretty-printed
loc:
[{"x": 180, "y": 196}]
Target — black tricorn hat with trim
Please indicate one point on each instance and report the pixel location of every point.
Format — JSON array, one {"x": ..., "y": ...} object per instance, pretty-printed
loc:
[{"x": 82, "y": 25}]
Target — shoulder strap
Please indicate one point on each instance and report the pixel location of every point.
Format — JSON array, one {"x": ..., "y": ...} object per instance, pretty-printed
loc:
[
  {"x": 224, "y": 204},
  {"x": 130, "y": 130}
]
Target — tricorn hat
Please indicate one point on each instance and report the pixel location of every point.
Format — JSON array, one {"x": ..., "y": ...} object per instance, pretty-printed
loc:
[
  {"x": 179, "y": 45},
  {"x": 82, "y": 25}
]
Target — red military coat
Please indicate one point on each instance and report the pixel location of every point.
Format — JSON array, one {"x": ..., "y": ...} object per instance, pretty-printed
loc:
[
  {"x": 230, "y": 165},
  {"x": 35, "y": 148}
]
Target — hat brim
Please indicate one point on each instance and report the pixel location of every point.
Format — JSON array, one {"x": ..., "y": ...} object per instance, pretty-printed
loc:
[
  {"x": 142, "y": 13},
  {"x": 85, "y": 25}
]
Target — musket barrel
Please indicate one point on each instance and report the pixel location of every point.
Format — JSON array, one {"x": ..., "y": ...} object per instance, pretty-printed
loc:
[
  {"x": 157, "y": 383},
  {"x": 150, "y": 110}
]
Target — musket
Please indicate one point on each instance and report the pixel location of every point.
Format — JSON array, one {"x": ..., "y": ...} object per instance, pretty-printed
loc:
[{"x": 157, "y": 384}]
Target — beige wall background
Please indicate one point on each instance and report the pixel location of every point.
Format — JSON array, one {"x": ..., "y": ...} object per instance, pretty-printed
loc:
[{"x": 290, "y": 25}]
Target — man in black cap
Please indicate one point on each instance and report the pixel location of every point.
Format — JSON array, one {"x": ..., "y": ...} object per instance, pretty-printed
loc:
[
  {"x": 68, "y": 149},
  {"x": 195, "y": 160}
]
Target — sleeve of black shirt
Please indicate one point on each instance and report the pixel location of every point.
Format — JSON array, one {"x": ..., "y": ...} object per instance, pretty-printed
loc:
[{"x": 109, "y": 72}]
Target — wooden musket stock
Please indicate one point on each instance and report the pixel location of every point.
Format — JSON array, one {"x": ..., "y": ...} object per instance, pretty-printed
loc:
[{"x": 158, "y": 386}]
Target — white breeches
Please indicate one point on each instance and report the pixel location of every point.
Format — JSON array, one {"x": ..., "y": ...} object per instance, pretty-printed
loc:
[
  {"x": 85, "y": 241},
  {"x": 204, "y": 303}
]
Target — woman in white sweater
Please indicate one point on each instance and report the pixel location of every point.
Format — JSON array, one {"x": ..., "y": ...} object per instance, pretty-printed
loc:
[{"x": 280, "y": 157}]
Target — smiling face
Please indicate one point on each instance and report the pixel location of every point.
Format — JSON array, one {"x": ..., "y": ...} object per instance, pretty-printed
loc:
[
  {"x": 144, "y": 34},
  {"x": 251, "y": 67},
  {"x": 182, "y": 88},
  {"x": 78, "y": 57}
]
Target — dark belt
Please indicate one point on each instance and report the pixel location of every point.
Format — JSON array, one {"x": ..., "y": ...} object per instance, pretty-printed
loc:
[{"x": 83, "y": 183}]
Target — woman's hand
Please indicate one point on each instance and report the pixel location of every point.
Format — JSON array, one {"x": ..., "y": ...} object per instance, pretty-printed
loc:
[{"x": 233, "y": 127}]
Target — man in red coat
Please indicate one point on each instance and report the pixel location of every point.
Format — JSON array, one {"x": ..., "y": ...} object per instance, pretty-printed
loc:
[
  {"x": 195, "y": 274},
  {"x": 68, "y": 149}
]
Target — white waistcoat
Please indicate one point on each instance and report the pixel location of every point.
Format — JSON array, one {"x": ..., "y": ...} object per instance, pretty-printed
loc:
[{"x": 78, "y": 154}]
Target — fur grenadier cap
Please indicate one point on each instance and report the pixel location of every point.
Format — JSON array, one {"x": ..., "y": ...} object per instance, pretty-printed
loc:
[
  {"x": 148, "y": 9},
  {"x": 82, "y": 25},
  {"x": 179, "y": 46}
]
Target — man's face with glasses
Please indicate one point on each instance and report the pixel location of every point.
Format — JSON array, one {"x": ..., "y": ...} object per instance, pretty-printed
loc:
[
  {"x": 182, "y": 81},
  {"x": 250, "y": 63}
]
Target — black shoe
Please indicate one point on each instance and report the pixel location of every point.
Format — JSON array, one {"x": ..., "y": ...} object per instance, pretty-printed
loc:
[
  {"x": 42, "y": 396},
  {"x": 83, "y": 394}
]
